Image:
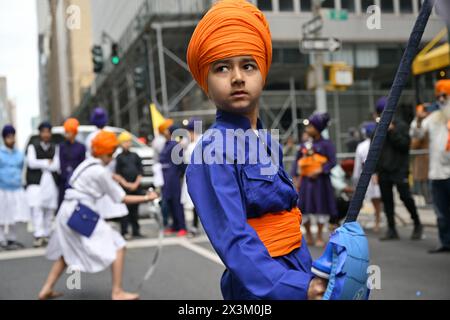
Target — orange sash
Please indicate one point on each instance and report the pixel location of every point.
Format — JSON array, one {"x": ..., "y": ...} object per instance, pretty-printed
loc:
[
  {"x": 280, "y": 232},
  {"x": 309, "y": 164}
]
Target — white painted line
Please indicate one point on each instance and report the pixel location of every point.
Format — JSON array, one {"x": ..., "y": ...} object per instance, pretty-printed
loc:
[
  {"x": 201, "y": 251},
  {"x": 18, "y": 254}
]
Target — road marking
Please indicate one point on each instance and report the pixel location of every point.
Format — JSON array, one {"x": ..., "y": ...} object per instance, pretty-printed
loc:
[
  {"x": 134, "y": 244},
  {"x": 201, "y": 251}
]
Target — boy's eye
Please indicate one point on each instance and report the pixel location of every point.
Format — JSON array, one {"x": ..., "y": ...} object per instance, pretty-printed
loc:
[
  {"x": 249, "y": 67},
  {"x": 221, "y": 68}
]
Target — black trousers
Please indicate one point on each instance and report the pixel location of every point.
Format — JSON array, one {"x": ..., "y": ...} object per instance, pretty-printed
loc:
[
  {"x": 387, "y": 183},
  {"x": 131, "y": 218}
]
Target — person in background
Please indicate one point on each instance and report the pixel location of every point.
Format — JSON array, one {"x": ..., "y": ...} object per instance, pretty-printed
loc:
[
  {"x": 393, "y": 170},
  {"x": 71, "y": 154},
  {"x": 314, "y": 162},
  {"x": 42, "y": 183},
  {"x": 353, "y": 140},
  {"x": 373, "y": 193},
  {"x": 14, "y": 207},
  {"x": 104, "y": 247},
  {"x": 171, "y": 190},
  {"x": 437, "y": 127},
  {"x": 99, "y": 118},
  {"x": 129, "y": 174},
  {"x": 185, "y": 198},
  {"x": 158, "y": 144}
]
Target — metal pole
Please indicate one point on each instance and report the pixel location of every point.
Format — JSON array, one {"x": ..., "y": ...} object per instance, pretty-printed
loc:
[
  {"x": 337, "y": 121},
  {"x": 321, "y": 95},
  {"x": 132, "y": 110},
  {"x": 151, "y": 66},
  {"x": 162, "y": 70},
  {"x": 293, "y": 108},
  {"x": 116, "y": 107}
]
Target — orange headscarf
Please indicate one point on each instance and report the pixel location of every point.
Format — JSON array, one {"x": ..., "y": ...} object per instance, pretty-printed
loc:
[
  {"x": 230, "y": 28},
  {"x": 71, "y": 125},
  {"x": 442, "y": 86},
  {"x": 105, "y": 142},
  {"x": 165, "y": 125}
]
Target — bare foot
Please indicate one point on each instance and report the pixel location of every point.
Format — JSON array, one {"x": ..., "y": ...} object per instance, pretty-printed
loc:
[
  {"x": 47, "y": 294},
  {"x": 122, "y": 295}
]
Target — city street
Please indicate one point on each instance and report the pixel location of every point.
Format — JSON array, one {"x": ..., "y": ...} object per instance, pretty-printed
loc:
[{"x": 189, "y": 269}]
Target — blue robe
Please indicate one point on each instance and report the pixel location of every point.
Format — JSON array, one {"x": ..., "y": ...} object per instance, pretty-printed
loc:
[{"x": 226, "y": 194}]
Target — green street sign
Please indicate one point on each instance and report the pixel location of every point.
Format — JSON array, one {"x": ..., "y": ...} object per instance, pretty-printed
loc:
[{"x": 340, "y": 15}]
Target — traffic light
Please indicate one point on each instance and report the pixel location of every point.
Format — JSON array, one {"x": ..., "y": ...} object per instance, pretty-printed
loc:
[
  {"x": 115, "y": 58},
  {"x": 139, "y": 77},
  {"x": 97, "y": 58}
]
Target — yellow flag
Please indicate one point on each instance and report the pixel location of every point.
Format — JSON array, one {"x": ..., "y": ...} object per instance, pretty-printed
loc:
[{"x": 157, "y": 118}]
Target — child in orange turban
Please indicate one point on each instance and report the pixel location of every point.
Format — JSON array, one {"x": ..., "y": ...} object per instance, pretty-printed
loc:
[{"x": 251, "y": 218}]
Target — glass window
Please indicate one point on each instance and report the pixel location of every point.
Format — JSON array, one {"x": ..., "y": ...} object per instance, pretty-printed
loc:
[
  {"x": 389, "y": 55},
  {"x": 292, "y": 55},
  {"x": 387, "y": 6},
  {"x": 366, "y": 4},
  {"x": 265, "y": 5},
  {"x": 286, "y": 5},
  {"x": 277, "y": 55},
  {"x": 305, "y": 5},
  {"x": 328, "y": 4},
  {"x": 406, "y": 6},
  {"x": 348, "y": 5}
]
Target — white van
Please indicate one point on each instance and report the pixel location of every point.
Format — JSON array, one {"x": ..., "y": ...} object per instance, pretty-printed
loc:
[{"x": 146, "y": 153}]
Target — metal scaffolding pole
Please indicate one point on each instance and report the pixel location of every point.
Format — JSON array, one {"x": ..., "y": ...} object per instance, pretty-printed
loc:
[
  {"x": 293, "y": 107},
  {"x": 162, "y": 70}
]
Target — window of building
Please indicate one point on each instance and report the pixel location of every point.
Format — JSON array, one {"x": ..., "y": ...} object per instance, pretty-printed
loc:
[
  {"x": 292, "y": 55},
  {"x": 305, "y": 5},
  {"x": 406, "y": 6},
  {"x": 264, "y": 5},
  {"x": 387, "y": 6},
  {"x": 389, "y": 55},
  {"x": 366, "y": 4},
  {"x": 348, "y": 5},
  {"x": 286, "y": 5},
  {"x": 329, "y": 4}
]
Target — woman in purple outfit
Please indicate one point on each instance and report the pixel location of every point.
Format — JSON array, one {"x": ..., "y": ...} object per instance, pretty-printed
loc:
[{"x": 313, "y": 164}]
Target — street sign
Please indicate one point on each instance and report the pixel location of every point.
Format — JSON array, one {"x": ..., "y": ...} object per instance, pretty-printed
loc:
[
  {"x": 312, "y": 26},
  {"x": 308, "y": 45},
  {"x": 340, "y": 15}
]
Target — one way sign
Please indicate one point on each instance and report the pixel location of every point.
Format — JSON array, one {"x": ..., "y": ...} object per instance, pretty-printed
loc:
[{"x": 319, "y": 45}]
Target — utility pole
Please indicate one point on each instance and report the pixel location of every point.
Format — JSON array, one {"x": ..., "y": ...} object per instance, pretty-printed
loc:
[{"x": 321, "y": 95}]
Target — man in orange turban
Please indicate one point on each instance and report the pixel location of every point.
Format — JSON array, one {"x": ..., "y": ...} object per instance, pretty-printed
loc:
[
  {"x": 104, "y": 144},
  {"x": 165, "y": 126},
  {"x": 252, "y": 220}
]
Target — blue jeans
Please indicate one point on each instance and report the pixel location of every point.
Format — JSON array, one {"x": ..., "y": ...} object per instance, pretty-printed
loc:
[{"x": 441, "y": 199}]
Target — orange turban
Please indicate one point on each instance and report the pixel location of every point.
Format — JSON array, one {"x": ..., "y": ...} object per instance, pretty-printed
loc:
[
  {"x": 230, "y": 28},
  {"x": 442, "y": 86},
  {"x": 71, "y": 125},
  {"x": 105, "y": 142},
  {"x": 165, "y": 125}
]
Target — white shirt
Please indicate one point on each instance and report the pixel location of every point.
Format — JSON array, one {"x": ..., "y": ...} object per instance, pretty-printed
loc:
[{"x": 436, "y": 127}]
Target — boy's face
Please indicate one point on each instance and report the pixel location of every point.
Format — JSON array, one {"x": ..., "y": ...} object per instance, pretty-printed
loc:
[
  {"x": 126, "y": 145},
  {"x": 235, "y": 84},
  {"x": 45, "y": 134},
  {"x": 10, "y": 140}
]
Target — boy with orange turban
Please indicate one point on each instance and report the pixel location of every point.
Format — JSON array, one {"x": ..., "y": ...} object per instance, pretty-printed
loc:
[
  {"x": 105, "y": 246},
  {"x": 249, "y": 214},
  {"x": 71, "y": 154}
]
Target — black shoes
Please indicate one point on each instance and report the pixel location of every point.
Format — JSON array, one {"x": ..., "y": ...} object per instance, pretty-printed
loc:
[
  {"x": 390, "y": 235},
  {"x": 417, "y": 233},
  {"x": 440, "y": 250}
]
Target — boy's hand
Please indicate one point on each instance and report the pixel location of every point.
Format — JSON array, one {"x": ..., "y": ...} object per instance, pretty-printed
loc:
[{"x": 317, "y": 288}]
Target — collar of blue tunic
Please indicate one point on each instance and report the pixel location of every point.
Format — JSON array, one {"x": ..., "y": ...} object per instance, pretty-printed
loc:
[{"x": 235, "y": 120}]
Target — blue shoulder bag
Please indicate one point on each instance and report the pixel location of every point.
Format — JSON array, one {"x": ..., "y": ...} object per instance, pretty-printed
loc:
[{"x": 83, "y": 220}]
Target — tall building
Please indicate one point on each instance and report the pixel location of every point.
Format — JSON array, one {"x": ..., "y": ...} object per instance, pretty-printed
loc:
[
  {"x": 4, "y": 103},
  {"x": 65, "y": 41},
  {"x": 153, "y": 36}
]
